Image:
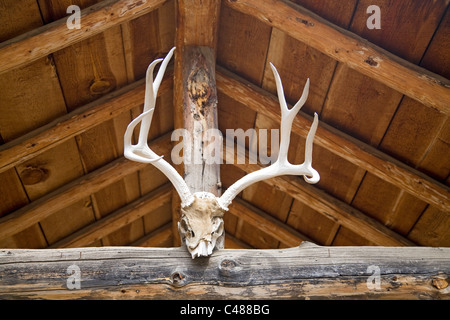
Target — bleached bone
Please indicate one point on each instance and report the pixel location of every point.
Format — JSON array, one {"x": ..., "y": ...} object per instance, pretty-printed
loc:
[
  {"x": 282, "y": 165},
  {"x": 201, "y": 226}
]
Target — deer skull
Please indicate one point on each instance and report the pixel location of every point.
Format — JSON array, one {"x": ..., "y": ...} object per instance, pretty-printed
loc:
[{"x": 201, "y": 226}]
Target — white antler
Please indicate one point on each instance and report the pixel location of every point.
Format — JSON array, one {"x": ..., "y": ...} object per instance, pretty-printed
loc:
[
  {"x": 281, "y": 166},
  {"x": 141, "y": 151}
]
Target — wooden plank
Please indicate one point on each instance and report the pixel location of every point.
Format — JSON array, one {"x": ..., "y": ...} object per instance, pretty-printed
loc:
[
  {"x": 162, "y": 237},
  {"x": 432, "y": 228},
  {"x": 393, "y": 207},
  {"x": 437, "y": 56},
  {"x": 30, "y": 97},
  {"x": 239, "y": 33},
  {"x": 296, "y": 62},
  {"x": 319, "y": 228},
  {"x": 266, "y": 223},
  {"x": 116, "y": 220},
  {"x": 72, "y": 192},
  {"x": 13, "y": 195},
  {"x": 18, "y": 17},
  {"x": 350, "y": 49},
  {"x": 74, "y": 123},
  {"x": 352, "y": 150},
  {"x": 55, "y": 36},
  {"x": 369, "y": 105},
  {"x": 307, "y": 271},
  {"x": 400, "y": 32},
  {"x": 37, "y": 89}
]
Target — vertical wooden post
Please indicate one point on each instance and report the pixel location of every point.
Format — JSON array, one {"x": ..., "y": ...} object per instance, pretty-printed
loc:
[{"x": 195, "y": 94}]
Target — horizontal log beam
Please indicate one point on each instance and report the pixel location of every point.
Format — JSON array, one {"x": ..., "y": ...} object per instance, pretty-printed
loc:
[
  {"x": 75, "y": 191},
  {"x": 76, "y": 122},
  {"x": 307, "y": 271},
  {"x": 335, "y": 209},
  {"x": 368, "y": 158},
  {"x": 55, "y": 36},
  {"x": 428, "y": 88}
]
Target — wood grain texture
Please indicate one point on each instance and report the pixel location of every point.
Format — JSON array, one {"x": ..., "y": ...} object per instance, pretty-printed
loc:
[
  {"x": 307, "y": 271},
  {"x": 72, "y": 192},
  {"x": 55, "y": 36},
  {"x": 344, "y": 146},
  {"x": 350, "y": 49},
  {"x": 74, "y": 123},
  {"x": 201, "y": 173}
]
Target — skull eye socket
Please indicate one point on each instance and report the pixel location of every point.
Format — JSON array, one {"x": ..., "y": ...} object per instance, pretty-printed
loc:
[
  {"x": 217, "y": 225},
  {"x": 183, "y": 226}
]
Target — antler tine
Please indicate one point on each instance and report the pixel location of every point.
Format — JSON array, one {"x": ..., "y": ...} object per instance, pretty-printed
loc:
[
  {"x": 281, "y": 166},
  {"x": 141, "y": 151}
]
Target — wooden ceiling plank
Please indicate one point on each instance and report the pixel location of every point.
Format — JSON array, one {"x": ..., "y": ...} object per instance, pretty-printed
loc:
[
  {"x": 296, "y": 62},
  {"x": 55, "y": 36},
  {"x": 353, "y": 150},
  {"x": 266, "y": 223},
  {"x": 401, "y": 33},
  {"x": 30, "y": 97},
  {"x": 74, "y": 123},
  {"x": 430, "y": 89},
  {"x": 239, "y": 33},
  {"x": 161, "y": 237},
  {"x": 118, "y": 219},
  {"x": 74, "y": 191},
  {"x": 329, "y": 206}
]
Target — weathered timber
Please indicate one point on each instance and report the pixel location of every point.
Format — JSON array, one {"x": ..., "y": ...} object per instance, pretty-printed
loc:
[
  {"x": 343, "y": 145},
  {"x": 195, "y": 94},
  {"x": 55, "y": 36},
  {"x": 200, "y": 118},
  {"x": 428, "y": 88},
  {"x": 304, "y": 272}
]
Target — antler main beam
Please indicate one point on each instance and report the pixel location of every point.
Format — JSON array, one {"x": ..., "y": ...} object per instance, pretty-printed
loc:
[
  {"x": 141, "y": 151},
  {"x": 201, "y": 226},
  {"x": 282, "y": 165}
]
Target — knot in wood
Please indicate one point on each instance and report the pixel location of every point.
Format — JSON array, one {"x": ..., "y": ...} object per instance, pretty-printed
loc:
[
  {"x": 439, "y": 283},
  {"x": 199, "y": 88},
  {"x": 228, "y": 264},
  {"x": 33, "y": 175},
  {"x": 177, "y": 279},
  {"x": 227, "y": 267}
]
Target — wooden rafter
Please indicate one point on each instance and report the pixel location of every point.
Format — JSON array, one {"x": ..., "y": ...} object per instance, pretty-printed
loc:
[
  {"x": 430, "y": 89},
  {"x": 307, "y": 271},
  {"x": 55, "y": 36}
]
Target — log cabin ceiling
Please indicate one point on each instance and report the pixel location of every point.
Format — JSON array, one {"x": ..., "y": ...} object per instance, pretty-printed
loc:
[{"x": 382, "y": 147}]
